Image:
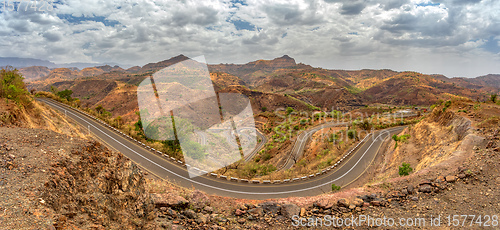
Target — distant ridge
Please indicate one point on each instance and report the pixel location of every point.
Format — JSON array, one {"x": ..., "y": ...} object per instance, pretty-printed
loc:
[
  {"x": 25, "y": 62},
  {"x": 163, "y": 64},
  {"x": 29, "y": 62}
]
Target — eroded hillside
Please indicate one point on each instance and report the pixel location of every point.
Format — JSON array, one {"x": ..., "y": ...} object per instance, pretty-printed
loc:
[{"x": 442, "y": 136}]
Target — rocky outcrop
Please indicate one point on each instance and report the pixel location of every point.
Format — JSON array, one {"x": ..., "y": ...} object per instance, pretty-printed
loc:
[{"x": 95, "y": 185}]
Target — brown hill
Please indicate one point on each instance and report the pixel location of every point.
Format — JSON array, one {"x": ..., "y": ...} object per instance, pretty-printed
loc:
[
  {"x": 331, "y": 98},
  {"x": 363, "y": 79},
  {"x": 91, "y": 71},
  {"x": 489, "y": 83},
  {"x": 160, "y": 65},
  {"x": 34, "y": 72},
  {"x": 108, "y": 68},
  {"x": 269, "y": 101},
  {"x": 133, "y": 69},
  {"x": 490, "y": 80},
  {"x": 63, "y": 73},
  {"x": 410, "y": 88},
  {"x": 224, "y": 80},
  {"x": 318, "y": 87},
  {"x": 253, "y": 72}
]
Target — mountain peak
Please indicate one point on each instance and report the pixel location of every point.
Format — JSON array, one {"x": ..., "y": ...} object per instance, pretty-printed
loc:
[
  {"x": 165, "y": 63},
  {"x": 286, "y": 57}
]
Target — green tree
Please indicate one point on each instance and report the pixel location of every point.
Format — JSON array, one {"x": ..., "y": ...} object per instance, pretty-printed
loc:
[
  {"x": 12, "y": 86},
  {"x": 335, "y": 187},
  {"x": 99, "y": 109},
  {"x": 289, "y": 110},
  {"x": 405, "y": 169},
  {"x": 194, "y": 150},
  {"x": 119, "y": 121},
  {"x": 493, "y": 98},
  {"x": 366, "y": 125},
  {"x": 65, "y": 94},
  {"x": 53, "y": 89}
]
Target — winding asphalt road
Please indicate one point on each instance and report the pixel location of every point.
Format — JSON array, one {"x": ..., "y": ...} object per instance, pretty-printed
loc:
[
  {"x": 300, "y": 143},
  {"x": 345, "y": 173}
]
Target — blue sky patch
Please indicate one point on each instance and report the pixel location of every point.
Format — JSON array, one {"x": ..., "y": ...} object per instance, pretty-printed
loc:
[
  {"x": 428, "y": 4},
  {"x": 78, "y": 20},
  {"x": 243, "y": 25},
  {"x": 242, "y": 2},
  {"x": 491, "y": 45}
]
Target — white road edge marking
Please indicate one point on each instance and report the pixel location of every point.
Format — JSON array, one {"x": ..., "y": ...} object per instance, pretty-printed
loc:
[{"x": 228, "y": 190}]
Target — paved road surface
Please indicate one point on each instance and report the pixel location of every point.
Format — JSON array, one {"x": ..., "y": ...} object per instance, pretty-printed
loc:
[{"x": 345, "y": 173}]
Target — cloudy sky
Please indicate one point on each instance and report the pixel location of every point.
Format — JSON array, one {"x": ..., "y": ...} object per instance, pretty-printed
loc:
[{"x": 451, "y": 37}]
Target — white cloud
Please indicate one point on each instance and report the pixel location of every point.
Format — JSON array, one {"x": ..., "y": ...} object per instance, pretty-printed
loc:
[{"x": 332, "y": 34}]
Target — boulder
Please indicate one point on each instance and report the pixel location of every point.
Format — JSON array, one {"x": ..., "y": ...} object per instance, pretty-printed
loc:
[
  {"x": 242, "y": 220},
  {"x": 202, "y": 219},
  {"x": 239, "y": 212},
  {"x": 375, "y": 203},
  {"x": 425, "y": 188},
  {"x": 410, "y": 189},
  {"x": 358, "y": 202},
  {"x": 394, "y": 194},
  {"x": 208, "y": 209},
  {"x": 324, "y": 203},
  {"x": 270, "y": 207},
  {"x": 440, "y": 179},
  {"x": 289, "y": 210},
  {"x": 343, "y": 202},
  {"x": 256, "y": 211},
  {"x": 198, "y": 199},
  {"x": 451, "y": 179},
  {"x": 171, "y": 200},
  {"x": 189, "y": 214},
  {"x": 425, "y": 182}
]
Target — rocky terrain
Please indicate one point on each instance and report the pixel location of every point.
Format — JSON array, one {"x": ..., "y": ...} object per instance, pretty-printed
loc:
[
  {"x": 50, "y": 180},
  {"x": 54, "y": 176},
  {"x": 463, "y": 184}
]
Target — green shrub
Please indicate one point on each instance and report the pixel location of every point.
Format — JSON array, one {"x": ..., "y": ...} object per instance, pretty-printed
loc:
[
  {"x": 447, "y": 104},
  {"x": 404, "y": 138},
  {"x": 351, "y": 133},
  {"x": 266, "y": 157},
  {"x": 366, "y": 125},
  {"x": 395, "y": 137},
  {"x": 252, "y": 169},
  {"x": 405, "y": 169},
  {"x": 335, "y": 187}
]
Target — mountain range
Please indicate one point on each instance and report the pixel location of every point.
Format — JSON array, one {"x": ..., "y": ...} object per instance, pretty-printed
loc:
[
  {"x": 270, "y": 84},
  {"x": 29, "y": 62}
]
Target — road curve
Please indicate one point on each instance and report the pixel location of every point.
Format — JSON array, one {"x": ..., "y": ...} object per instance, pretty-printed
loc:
[
  {"x": 345, "y": 173},
  {"x": 300, "y": 143}
]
